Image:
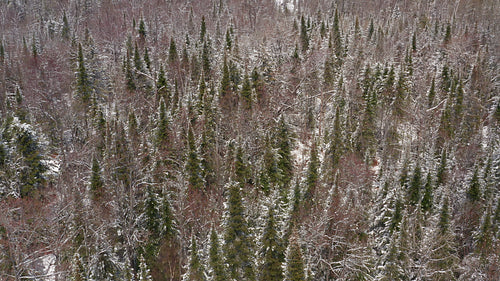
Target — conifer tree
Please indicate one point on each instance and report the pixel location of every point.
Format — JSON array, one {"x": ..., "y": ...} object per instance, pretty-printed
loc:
[
  {"x": 193, "y": 163},
  {"x": 162, "y": 86},
  {"x": 147, "y": 61},
  {"x": 144, "y": 272},
  {"x": 142, "y": 28},
  {"x": 196, "y": 270},
  {"x": 432, "y": 94},
  {"x": 442, "y": 260},
  {"x": 337, "y": 38},
  {"x": 215, "y": 260},
  {"x": 203, "y": 29},
  {"x": 285, "y": 166},
  {"x": 246, "y": 93},
  {"x": 272, "y": 251},
  {"x": 83, "y": 87},
  {"x": 137, "y": 59},
  {"x": 96, "y": 183},
  {"x": 484, "y": 239},
  {"x": 312, "y": 174},
  {"x": 304, "y": 37},
  {"x": 65, "y": 29},
  {"x": 428, "y": 197},
  {"x": 336, "y": 146},
  {"x": 240, "y": 168},
  {"x": 172, "y": 51},
  {"x": 162, "y": 132},
  {"x": 415, "y": 186},
  {"x": 295, "y": 262},
  {"x": 237, "y": 243},
  {"x": 474, "y": 191},
  {"x": 205, "y": 59},
  {"x": 31, "y": 174}
]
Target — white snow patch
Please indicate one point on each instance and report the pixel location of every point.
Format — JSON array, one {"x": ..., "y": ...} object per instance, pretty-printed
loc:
[
  {"x": 485, "y": 137},
  {"x": 49, "y": 267},
  {"x": 289, "y": 4},
  {"x": 300, "y": 153}
]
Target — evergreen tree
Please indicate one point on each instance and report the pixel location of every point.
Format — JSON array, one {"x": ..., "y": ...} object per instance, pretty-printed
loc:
[
  {"x": 215, "y": 260},
  {"x": 96, "y": 183},
  {"x": 147, "y": 61},
  {"x": 246, "y": 93},
  {"x": 203, "y": 29},
  {"x": 31, "y": 174},
  {"x": 162, "y": 131},
  {"x": 484, "y": 239},
  {"x": 295, "y": 262},
  {"x": 65, "y": 29},
  {"x": 172, "y": 51},
  {"x": 237, "y": 243},
  {"x": 137, "y": 59},
  {"x": 196, "y": 270},
  {"x": 312, "y": 174},
  {"x": 335, "y": 149},
  {"x": 337, "y": 37},
  {"x": 144, "y": 272},
  {"x": 193, "y": 163},
  {"x": 272, "y": 251},
  {"x": 440, "y": 175},
  {"x": 142, "y": 28},
  {"x": 284, "y": 164},
  {"x": 83, "y": 88},
  {"x": 428, "y": 197},
  {"x": 161, "y": 85},
  {"x": 304, "y": 37},
  {"x": 415, "y": 186},
  {"x": 432, "y": 94},
  {"x": 474, "y": 191},
  {"x": 442, "y": 258},
  {"x": 241, "y": 170}
]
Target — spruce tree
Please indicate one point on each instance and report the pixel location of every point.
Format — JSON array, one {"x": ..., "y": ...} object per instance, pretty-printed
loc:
[
  {"x": 312, "y": 174},
  {"x": 193, "y": 163},
  {"x": 474, "y": 192},
  {"x": 304, "y": 37},
  {"x": 196, "y": 270},
  {"x": 432, "y": 93},
  {"x": 162, "y": 86},
  {"x": 295, "y": 262},
  {"x": 272, "y": 251},
  {"x": 285, "y": 165},
  {"x": 237, "y": 243},
  {"x": 142, "y": 28},
  {"x": 162, "y": 131},
  {"x": 65, "y": 29},
  {"x": 428, "y": 196},
  {"x": 215, "y": 260},
  {"x": 96, "y": 183},
  {"x": 415, "y": 186},
  {"x": 172, "y": 51},
  {"x": 246, "y": 93},
  {"x": 83, "y": 88},
  {"x": 203, "y": 29}
]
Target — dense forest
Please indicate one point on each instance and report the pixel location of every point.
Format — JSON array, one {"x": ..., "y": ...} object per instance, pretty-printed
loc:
[{"x": 249, "y": 140}]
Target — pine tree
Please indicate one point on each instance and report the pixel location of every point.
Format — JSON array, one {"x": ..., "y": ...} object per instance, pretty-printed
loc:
[
  {"x": 474, "y": 191},
  {"x": 137, "y": 59},
  {"x": 484, "y": 239},
  {"x": 237, "y": 244},
  {"x": 96, "y": 183},
  {"x": 272, "y": 251},
  {"x": 440, "y": 175},
  {"x": 196, "y": 270},
  {"x": 215, "y": 260},
  {"x": 335, "y": 149},
  {"x": 295, "y": 262},
  {"x": 337, "y": 38},
  {"x": 31, "y": 174}
]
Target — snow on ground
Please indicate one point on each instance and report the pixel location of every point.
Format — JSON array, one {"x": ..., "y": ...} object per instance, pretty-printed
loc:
[
  {"x": 289, "y": 4},
  {"x": 49, "y": 267}
]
